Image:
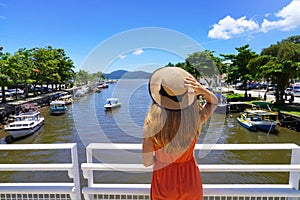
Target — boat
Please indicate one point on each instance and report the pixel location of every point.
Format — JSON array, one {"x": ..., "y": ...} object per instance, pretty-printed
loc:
[
  {"x": 112, "y": 103},
  {"x": 111, "y": 81},
  {"x": 24, "y": 124},
  {"x": 103, "y": 85},
  {"x": 57, "y": 107},
  {"x": 82, "y": 91},
  {"x": 67, "y": 98},
  {"x": 258, "y": 119}
]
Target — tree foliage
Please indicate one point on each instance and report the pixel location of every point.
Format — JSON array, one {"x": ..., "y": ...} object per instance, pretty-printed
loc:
[
  {"x": 36, "y": 66},
  {"x": 204, "y": 62},
  {"x": 278, "y": 63},
  {"x": 238, "y": 71}
]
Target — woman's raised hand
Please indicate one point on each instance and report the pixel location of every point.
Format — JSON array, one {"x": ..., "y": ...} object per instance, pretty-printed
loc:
[
  {"x": 193, "y": 83},
  {"x": 200, "y": 89}
]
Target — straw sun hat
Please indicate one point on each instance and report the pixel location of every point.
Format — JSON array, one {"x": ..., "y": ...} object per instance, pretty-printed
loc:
[{"x": 166, "y": 88}]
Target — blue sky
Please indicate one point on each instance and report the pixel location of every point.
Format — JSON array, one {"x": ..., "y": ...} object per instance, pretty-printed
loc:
[{"x": 85, "y": 27}]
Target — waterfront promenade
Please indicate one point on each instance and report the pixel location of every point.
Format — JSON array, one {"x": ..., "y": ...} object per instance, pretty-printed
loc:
[
  {"x": 12, "y": 103},
  {"x": 256, "y": 93}
]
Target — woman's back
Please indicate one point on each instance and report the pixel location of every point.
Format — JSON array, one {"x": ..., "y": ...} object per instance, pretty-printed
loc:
[
  {"x": 171, "y": 129},
  {"x": 177, "y": 157},
  {"x": 176, "y": 176}
]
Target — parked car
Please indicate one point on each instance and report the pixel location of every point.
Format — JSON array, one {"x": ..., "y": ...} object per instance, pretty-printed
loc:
[
  {"x": 295, "y": 90},
  {"x": 43, "y": 89},
  {"x": 271, "y": 87},
  {"x": 240, "y": 86},
  {"x": 7, "y": 93},
  {"x": 261, "y": 85},
  {"x": 253, "y": 85},
  {"x": 288, "y": 91},
  {"x": 16, "y": 91}
]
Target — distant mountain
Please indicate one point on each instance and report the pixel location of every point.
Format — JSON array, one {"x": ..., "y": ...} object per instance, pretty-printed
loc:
[{"x": 127, "y": 75}]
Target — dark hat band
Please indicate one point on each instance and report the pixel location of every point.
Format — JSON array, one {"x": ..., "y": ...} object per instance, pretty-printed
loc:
[{"x": 176, "y": 98}]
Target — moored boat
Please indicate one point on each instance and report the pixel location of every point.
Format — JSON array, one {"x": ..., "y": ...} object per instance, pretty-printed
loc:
[
  {"x": 24, "y": 124},
  {"x": 112, "y": 103},
  {"x": 66, "y": 98},
  {"x": 57, "y": 107},
  {"x": 258, "y": 119},
  {"x": 103, "y": 85}
]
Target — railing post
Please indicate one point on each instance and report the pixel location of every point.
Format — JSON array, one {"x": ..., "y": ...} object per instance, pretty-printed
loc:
[
  {"x": 76, "y": 176},
  {"x": 295, "y": 176},
  {"x": 89, "y": 159}
]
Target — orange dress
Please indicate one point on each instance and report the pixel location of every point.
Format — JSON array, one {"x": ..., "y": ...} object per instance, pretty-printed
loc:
[{"x": 176, "y": 180}]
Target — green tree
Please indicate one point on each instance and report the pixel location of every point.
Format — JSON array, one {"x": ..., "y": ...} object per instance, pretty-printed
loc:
[
  {"x": 279, "y": 63},
  {"x": 20, "y": 64},
  {"x": 204, "y": 64},
  {"x": 82, "y": 77},
  {"x": 238, "y": 71},
  {"x": 4, "y": 75},
  {"x": 40, "y": 70},
  {"x": 97, "y": 76},
  {"x": 65, "y": 67},
  {"x": 293, "y": 39}
]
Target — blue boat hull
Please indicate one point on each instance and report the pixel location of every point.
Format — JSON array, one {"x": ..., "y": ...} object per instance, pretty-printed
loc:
[
  {"x": 254, "y": 126},
  {"x": 58, "y": 111},
  {"x": 246, "y": 125},
  {"x": 268, "y": 128}
]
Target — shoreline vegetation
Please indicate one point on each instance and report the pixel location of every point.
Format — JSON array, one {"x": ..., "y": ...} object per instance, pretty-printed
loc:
[{"x": 46, "y": 69}]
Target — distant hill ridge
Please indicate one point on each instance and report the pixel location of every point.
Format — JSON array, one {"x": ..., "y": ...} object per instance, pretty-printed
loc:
[{"x": 127, "y": 75}]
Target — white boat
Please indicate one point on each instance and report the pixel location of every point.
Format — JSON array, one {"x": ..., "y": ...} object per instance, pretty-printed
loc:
[
  {"x": 24, "y": 124},
  {"x": 112, "y": 103},
  {"x": 80, "y": 93},
  {"x": 66, "y": 98},
  {"x": 58, "y": 107},
  {"x": 102, "y": 85}
]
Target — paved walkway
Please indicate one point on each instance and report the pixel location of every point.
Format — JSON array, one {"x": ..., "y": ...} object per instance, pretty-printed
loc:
[{"x": 256, "y": 93}]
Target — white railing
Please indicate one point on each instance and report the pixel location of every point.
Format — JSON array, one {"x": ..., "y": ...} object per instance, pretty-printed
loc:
[
  {"x": 71, "y": 190},
  {"x": 41, "y": 190},
  {"x": 211, "y": 191}
]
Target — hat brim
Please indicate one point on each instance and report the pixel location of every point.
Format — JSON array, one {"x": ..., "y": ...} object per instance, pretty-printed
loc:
[{"x": 155, "y": 83}]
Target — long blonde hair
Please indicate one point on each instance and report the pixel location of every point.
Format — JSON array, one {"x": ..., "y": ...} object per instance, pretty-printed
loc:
[{"x": 174, "y": 130}]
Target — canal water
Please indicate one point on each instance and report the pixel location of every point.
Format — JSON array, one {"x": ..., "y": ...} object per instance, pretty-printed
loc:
[{"x": 87, "y": 121}]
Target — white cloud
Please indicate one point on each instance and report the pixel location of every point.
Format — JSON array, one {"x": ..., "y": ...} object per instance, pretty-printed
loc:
[
  {"x": 122, "y": 56},
  {"x": 267, "y": 14},
  {"x": 228, "y": 26},
  {"x": 138, "y": 52},
  {"x": 250, "y": 37},
  {"x": 290, "y": 18}
]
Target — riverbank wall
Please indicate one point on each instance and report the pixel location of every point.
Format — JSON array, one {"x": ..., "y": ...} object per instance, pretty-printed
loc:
[{"x": 290, "y": 121}]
